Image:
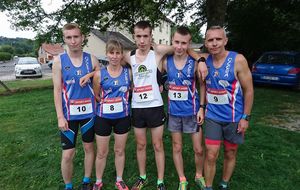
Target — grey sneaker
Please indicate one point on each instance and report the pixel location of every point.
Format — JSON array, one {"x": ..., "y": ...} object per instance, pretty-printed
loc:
[{"x": 139, "y": 184}]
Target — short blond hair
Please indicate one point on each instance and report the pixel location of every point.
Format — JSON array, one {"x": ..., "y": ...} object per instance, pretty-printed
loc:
[
  {"x": 71, "y": 26},
  {"x": 114, "y": 44}
]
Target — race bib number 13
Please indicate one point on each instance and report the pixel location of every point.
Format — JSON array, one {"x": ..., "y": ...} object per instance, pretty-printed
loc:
[
  {"x": 81, "y": 106},
  {"x": 178, "y": 93}
]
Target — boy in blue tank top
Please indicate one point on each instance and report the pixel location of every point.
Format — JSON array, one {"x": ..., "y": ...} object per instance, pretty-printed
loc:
[
  {"x": 184, "y": 104},
  {"x": 229, "y": 101},
  {"x": 74, "y": 103},
  {"x": 111, "y": 87}
]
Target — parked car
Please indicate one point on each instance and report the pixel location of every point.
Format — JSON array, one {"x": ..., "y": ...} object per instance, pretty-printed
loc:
[
  {"x": 103, "y": 61},
  {"x": 50, "y": 63},
  {"x": 28, "y": 67},
  {"x": 278, "y": 68}
]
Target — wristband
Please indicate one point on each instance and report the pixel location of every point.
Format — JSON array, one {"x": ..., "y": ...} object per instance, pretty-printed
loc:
[
  {"x": 203, "y": 106},
  {"x": 201, "y": 59}
]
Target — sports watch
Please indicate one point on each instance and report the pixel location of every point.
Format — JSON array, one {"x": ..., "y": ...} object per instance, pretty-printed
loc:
[{"x": 246, "y": 117}]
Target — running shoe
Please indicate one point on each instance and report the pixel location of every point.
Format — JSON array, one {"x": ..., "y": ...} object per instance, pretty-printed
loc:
[
  {"x": 161, "y": 186},
  {"x": 120, "y": 185},
  {"x": 223, "y": 187},
  {"x": 200, "y": 182},
  {"x": 98, "y": 186},
  {"x": 139, "y": 184},
  {"x": 183, "y": 185},
  {"x": 86, "y": 186}
]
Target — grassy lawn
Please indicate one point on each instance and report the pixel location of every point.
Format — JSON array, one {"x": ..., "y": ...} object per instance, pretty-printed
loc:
[
  {"x": 25, "y": 84},
  {"x": 30, "y": 149}
]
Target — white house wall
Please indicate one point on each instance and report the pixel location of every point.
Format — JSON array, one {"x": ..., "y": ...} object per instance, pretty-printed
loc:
[{"x": 95, "y": 46}]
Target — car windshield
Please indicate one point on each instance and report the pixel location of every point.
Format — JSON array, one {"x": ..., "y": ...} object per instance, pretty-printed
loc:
[
  {"x": 28, "y": 60},
  {"x": 277, "y": 59}
]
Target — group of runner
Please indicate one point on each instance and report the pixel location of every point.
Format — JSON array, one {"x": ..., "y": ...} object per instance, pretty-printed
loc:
[{"x": 97, "y": 100}]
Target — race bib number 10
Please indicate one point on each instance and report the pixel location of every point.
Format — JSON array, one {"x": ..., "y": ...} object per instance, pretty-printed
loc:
[
  {"x": 178, "y": 93},
  {"x": 143, "y": 93},
  {"x": 81, "y": 106}
]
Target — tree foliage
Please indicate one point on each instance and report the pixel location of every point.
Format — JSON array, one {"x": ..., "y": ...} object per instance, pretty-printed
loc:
[
  {"x": 26, "y": 14},
  {"x": 256, "y": 26}
]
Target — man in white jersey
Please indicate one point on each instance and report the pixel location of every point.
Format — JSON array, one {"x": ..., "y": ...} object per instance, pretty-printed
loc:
[{"x": 229, "y": 94}]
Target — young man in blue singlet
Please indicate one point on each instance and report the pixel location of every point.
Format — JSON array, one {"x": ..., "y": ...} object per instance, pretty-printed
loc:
[
  {"x": 74, "y": 103},
  {"x": 184, "y": 104},
  {"x": 111, "y": 87},
  {"x": 229, "y": 94}
]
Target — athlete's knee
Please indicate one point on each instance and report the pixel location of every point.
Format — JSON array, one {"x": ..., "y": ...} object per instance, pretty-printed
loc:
[
  {"x": 198, "y": 151},
  {"x": 177, "y": 147},
  {"x": 211, "y": 156},
  {"x": 68, "y": 155},
  {"x": 101, "y": 154},
  {"x": 158, "y": 146},
  {"x": 141, "y": 146},
  {"x": 119, "y": 151},
  {"x": 88, "y": 148}
]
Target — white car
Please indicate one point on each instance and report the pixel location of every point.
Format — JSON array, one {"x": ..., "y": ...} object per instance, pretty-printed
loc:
[{"x": 28, "y": 67}]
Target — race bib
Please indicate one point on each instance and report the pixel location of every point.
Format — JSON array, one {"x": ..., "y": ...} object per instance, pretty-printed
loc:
[
  {"x": 178, "y": 93},
  {"x": 112, "y": 105},
  {"x": 81, "y": 106},
  {"x": 217, "y": 96},
  {"x": 143, "y": 93}
]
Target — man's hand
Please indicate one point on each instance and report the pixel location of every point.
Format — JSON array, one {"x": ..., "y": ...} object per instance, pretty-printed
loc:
[
  {"x": 84, "y": 80},
  {"x": 200, "y": 116},
  {"x": 63, "y": 124},
  {"x": 243, "y": 126},
  {"x": 202, "y": 70}
]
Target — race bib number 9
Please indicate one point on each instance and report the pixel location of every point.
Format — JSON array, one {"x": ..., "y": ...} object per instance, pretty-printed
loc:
[
  {"x": 217, "y": 97},
  {"x": 112, "y": 105},
  {"x": 143, "y": 93},
  {"x": 178, "y": 93},
  {"x": 81, "y": 106}
]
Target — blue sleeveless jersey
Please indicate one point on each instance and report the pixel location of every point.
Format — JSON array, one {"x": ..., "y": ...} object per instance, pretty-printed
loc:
[
  {"x": 183, "y": 96},
  {"x": 224, "y": 93},
  {"x": 78, "y": 102},
  {"x": 114, "y": 95}
]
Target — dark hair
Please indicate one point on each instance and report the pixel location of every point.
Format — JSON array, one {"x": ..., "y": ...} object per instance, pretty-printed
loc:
[
  {"x": 143, "y": 25},
  {"x": 183, "y": 30}
]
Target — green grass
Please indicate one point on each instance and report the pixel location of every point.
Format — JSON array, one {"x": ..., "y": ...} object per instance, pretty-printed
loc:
[
  {"x": 25, "y": 84},
  {"x": 30, "y": 149}
]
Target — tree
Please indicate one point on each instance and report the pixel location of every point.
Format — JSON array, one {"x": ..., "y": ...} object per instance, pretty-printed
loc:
[
  {"x": 88, "y": 14},
  {"x": 263, "y": 25},
  {"x": 7, "y": 48}
]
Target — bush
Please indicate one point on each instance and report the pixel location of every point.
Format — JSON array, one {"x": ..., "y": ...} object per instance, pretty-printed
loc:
[{"x": 4, "y": 56}]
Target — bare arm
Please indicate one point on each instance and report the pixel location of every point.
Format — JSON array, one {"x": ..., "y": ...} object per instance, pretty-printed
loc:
[
  {"x": 96, "y": 67},
  {"x": 57, "y": 91},
  {"x": 202, "y": 68},
  {"x": 245, "y": 78},
  {"x": 201, "y": 112},
  {"x": 96, "y": 85}
]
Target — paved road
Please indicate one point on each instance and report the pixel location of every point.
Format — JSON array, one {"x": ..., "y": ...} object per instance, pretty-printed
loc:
[{"x": 7, "y": 70}]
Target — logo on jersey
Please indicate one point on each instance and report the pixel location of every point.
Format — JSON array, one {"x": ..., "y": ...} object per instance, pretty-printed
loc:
[
  {"x": 227, "y": 67},
  {"x": 78, "y": 72},
  {"x": 142, "y": 69},
  {"x": 116, "y": 82},
  {"x": 67, "y": 68}
]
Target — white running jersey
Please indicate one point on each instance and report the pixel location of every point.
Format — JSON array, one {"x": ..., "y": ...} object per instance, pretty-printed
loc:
[{"x": 146, "y": 90}]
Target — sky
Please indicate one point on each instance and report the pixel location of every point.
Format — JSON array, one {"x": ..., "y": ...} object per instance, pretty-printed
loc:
[{"x": 8, "y": 32}]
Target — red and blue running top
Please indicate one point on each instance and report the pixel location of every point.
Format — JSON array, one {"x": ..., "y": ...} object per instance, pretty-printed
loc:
[
  {"x": 78, "y": 102},
  {"x": 114, "y": 95},
  {"x": 224, "y": 96},
  {"x": 183, "y": 97}
]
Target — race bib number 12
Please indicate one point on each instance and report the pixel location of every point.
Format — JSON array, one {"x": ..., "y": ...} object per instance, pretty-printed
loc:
[{"x": 143, "y": 93}]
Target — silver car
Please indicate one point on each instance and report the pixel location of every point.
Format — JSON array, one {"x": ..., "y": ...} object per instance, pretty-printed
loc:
[{"x": 28, "y": 67}]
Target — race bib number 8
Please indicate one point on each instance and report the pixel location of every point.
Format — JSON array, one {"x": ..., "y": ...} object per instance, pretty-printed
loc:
[
  {"x": 81, "y": 106},
  {"x": 143, "y": 93},
  {"x": 178, "y": 93},
  {"x": 217, "y": 97},
  {"x": 112, "y": 105}
]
